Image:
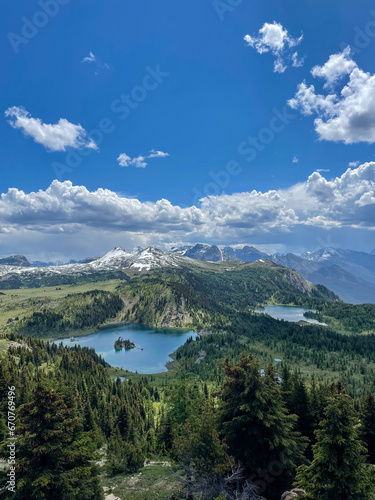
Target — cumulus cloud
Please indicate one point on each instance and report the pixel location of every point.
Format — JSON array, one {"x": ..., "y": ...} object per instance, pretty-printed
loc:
[
  {"x": 353, "y": 164},
  {"x": 342, "y": 115},
  {"x": 125, "y": 161},
  {"x": 139, "y": 161},
  {"x": 337, "y": 66},
  {"x": 274, "y": 38},
  {"x": 54, "y": 137},
  {"x": 277, "y": 216},
  {"x": 295, "y": 159}
]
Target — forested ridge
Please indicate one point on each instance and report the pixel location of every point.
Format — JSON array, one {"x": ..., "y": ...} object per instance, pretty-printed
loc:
[{"x": 73, "y": 313}]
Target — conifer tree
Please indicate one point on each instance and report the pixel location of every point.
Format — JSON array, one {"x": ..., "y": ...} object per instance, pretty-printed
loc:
[
  {"x": 338, "y": 470},
  {"x": 368, "y": 426},
  {"x": 255, "y": 422},
  {"x": 54, "y": 454}
]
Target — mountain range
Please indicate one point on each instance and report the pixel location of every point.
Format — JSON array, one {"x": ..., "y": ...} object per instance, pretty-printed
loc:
[{"x": 348, "y": 273}]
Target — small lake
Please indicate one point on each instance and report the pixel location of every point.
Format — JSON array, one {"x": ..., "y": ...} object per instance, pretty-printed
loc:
[
  {"x": 289, "y": 313},
  {"x": 153, "y": 346}
]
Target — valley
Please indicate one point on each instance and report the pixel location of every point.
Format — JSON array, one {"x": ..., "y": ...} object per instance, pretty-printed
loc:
[{"x": 138, "y": 404}]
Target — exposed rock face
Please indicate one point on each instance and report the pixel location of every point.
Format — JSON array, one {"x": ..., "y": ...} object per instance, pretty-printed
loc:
[
  {"x": 293, "y": 494},
  {"x": 15, "y": 260}
]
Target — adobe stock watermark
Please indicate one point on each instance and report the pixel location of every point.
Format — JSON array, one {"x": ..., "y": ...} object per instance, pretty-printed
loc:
[
  {"x": 31, "y": 26},
  {"x": 249, "y": 148},
  {"x": 262, "y": 479},
  {"x": 122, "y": 108},
  {"x": 11, "y": 446},
  {"x": 222, "y": 7},
  {"x": 363, "y": 36}
]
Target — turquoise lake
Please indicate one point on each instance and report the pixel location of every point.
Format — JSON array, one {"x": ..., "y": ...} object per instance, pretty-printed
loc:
[
  {"x": 288, "y": 313},
  {"x": 153, "y": 346}
]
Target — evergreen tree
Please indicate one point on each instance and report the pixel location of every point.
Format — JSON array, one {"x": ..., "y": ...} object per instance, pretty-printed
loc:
[
  {"x": 368, "y": 426},
  {"x": 256, "y": 424},
  {"x": 54, "y": 454},
  {"x": 338, "y": 470},
  {"x": 123, "y": 456}
]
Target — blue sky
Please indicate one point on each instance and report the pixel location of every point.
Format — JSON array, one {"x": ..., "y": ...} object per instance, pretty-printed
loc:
[{"x": 212, "y": 91}]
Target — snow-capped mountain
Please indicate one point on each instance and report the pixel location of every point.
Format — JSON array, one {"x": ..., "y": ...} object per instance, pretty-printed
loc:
[
  {"x": 361, "y": 264},
  {"x": 214, "y": 253},
  {"x": 349, "y": 274},
  {"x": 201, "y": 251},
  {"x": 113, "y": 261}
]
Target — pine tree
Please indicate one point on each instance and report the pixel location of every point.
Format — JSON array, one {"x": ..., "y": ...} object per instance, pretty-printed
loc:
[
  {"x": 368, "y": 426},
  {"x": 54, "y": 454},
  {"x": 338, "y": 470}
]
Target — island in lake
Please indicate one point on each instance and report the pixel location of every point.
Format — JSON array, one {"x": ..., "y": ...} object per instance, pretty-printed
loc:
[{"x": 126, "y": 344}]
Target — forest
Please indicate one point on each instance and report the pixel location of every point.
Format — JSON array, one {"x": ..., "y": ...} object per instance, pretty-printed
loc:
[{"x": 252, "y": 409}]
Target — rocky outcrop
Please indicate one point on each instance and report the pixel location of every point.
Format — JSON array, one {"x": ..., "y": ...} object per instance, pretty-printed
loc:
[{"x": 293, "y": 494}]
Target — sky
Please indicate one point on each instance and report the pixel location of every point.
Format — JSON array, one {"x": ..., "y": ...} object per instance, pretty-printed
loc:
[{"x": 167, "y": 123}]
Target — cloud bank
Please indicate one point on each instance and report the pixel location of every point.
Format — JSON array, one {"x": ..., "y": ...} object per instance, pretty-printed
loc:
[{"x": 281, "y": 217}]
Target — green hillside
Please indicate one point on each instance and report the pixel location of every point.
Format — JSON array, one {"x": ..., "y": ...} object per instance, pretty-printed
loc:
[{"x": 204, "y": 298}]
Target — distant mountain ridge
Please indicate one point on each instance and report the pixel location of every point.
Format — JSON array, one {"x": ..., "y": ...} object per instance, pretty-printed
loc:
[
  {"x": 111, "y": 265},
  {"x": 350, "y": 274},
  {"x": 15, "y": 260},
  {"x": 118, "y": 263}
]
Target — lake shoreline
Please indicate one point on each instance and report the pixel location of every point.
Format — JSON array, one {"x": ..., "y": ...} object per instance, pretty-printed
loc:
[
  {"x": 109, "y": 326},
  {"x": 154, "y": 352}
]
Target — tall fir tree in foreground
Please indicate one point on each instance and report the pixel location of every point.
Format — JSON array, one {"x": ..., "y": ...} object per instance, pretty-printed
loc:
[
  {"x": 55, "y": 455},
  {"x": 259, "y": 430},
  {"x": 338, "y": 470},
  {"x": 368, "y": 426}
]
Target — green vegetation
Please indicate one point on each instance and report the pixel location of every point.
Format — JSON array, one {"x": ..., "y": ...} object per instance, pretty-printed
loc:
[
  {"x": 46, "y": 280},
  {"x": 24, "y": 301},
  {"x": 123, "y": 344},
  {"x": 204, "y": 298},
  {"x": 74, "y": 312},
  {"x": 338, "y": 470},
  {"x": 359, "y": 318},
  {"x": 227, "y": 419}
]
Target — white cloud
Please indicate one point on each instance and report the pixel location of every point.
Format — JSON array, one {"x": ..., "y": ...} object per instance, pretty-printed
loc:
[
  {"x": 297, "y": 61},
  {"x": 302, "y": 212},
  {"x": 274, "y": 38},
  {"x": 323, "y": 170},
  {"x": 125, "y": 161},
  {"x": 337, "y": 66},
  {"x": 353, "y": 164},
  {"x": 157, "y": 154},
  {"x": 346, "y": 115},
  {"x": 54, "y": 137},
  {"x": 295, "y": 159},
  {"x": 139, "y": 162},
  {"x": 90, "y": 58}
]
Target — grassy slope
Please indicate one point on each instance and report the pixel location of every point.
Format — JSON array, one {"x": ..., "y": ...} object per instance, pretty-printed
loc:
[{"x": 23, "y": 302}]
